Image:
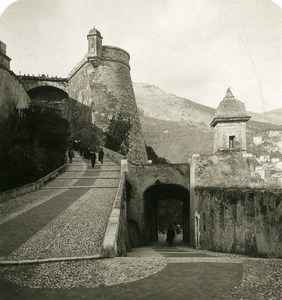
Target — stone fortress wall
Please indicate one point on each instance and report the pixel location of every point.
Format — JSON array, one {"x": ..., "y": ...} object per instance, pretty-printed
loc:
[
  {"x": 12, "y": 91},
  {"x": 102, "y": 81}
]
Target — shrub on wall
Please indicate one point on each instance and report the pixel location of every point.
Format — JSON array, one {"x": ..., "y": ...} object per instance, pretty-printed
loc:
[
  {"x": 118, "y": 134},
  {"x": 152, "y": 155},
  {"x": 33, "y": 143}
]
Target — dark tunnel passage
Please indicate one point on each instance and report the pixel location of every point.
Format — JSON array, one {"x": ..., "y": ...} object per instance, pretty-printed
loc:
[
  {"x": 165, "y": 193},
  {"x": 47, "y": 93}
]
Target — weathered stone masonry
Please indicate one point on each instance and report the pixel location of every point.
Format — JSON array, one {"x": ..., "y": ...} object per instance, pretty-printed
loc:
[
  {"x": 240, "y": 220},
  {"x": 12, "y": 92},
  {"x": 102, "y": 81},
  {"x": 142, "y": 177}
]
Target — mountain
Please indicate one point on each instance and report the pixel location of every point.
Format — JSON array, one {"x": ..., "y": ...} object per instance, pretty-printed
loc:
[
  {"x": 155, "y": 103},
  {"x": 177, "y": 128},
  {"x": 274, "y": 116}
]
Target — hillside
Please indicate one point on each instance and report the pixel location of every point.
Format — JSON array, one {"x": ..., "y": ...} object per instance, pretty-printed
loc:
[
  {"x": 176, "y": 141},
  {"x": 274, "y": 116},
  {"x": 176, "y": 127},
  {"x": 156, "y": 103}
]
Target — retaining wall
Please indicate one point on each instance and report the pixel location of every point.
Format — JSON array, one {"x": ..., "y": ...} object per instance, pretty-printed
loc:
[{"x": 247, "y": 221}]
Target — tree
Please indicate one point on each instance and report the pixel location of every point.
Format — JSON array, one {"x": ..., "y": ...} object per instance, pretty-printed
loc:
[
  {"x": 34, "y": 142},
  {"x": 117, "y": 135}
]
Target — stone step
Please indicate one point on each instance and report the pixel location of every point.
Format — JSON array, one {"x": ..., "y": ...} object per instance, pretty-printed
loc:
[
  {"x": 89, "y": 177},
  {"x": 95, "y": 170},
  {"x": 79, "y": 187}
]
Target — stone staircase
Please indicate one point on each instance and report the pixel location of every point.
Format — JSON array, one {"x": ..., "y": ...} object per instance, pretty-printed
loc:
[{"x": 77, "y": 226}]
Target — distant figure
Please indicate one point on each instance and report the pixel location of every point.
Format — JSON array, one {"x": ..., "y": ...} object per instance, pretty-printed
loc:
[
  {"x": 101, "y": 156},
  {"x": 170, "y": 234},
  {"x": 93, "y": 158},
  {"x": 178, "y": 229},
  {"x": 70, "y": 155},
  {"x": 87, "y": 153},
  {"x": 80, "y": 150}
]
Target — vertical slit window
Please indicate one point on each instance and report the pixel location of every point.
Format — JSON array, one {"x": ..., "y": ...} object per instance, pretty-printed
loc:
[{"x": 231, "y": 141}]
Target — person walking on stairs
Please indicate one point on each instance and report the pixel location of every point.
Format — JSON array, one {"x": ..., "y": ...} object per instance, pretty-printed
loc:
[
  {"x": 101, "y": 156},
  {"x": 70, "y": 155},
  {"x": 93, "y": 158}
]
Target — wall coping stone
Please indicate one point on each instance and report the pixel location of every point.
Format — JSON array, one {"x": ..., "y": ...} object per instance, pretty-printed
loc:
[
  {"x": 47, "y": 260},
  {"x": 109, "y": 246},
  {"x": 30, "y": 187}
]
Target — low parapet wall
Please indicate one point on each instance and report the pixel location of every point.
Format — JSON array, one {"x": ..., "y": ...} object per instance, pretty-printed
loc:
[
  {"x": 114, "y": 156},
  {"x": 34, "y": 186},
  {"x": 114, "y": 243}
]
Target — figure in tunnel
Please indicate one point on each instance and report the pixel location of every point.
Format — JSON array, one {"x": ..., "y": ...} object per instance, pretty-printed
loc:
[{"x": 170, "y": 234}]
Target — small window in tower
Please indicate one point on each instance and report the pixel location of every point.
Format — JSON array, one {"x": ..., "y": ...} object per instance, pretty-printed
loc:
[{"x": 232, "y": 141}]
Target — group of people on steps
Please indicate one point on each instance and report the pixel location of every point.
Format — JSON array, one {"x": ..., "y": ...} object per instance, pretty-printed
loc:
[{"x": 88, "y": 153}]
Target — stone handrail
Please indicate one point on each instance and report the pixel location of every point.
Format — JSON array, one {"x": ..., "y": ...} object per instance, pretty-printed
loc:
[
  {"x": 110, "y": 242},
  {"x": 30, "y": 187},
  {"x": 112, "y": 155}
]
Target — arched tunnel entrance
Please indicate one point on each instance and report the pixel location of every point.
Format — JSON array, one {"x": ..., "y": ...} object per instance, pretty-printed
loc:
[
  {"x": 164, "y": 204},
  {"x": 47, "y": 94}
]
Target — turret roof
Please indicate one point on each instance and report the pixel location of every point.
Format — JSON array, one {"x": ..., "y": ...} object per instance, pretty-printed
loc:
[
  {"x": 230, "y": 109},
  {"x": 94, "y": 31}
]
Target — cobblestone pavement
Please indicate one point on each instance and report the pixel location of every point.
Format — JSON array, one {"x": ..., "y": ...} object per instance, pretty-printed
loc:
[
  {"x": 146, "y": 273},
  {"x": 161, "y": 272},
  {"x": 59, "y": 219},
  {"x": 262, "y": 280}
]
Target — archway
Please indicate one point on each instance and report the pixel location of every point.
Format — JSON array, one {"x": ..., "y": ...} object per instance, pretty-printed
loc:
[
  {"x": 47, "y": 94},
  {"x": 152, "y": 198}
]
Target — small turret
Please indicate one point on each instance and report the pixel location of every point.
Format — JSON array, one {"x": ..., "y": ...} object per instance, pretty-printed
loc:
[
  {"x": 94, "y": 45},
  {"x": 230, "y": 124}
]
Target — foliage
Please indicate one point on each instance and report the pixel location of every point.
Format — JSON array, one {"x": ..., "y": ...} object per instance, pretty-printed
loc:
[
  {"x": 154, "y": 157},
  {"x": 34, "y": 142},
  {"x": 117, "y": 134}
]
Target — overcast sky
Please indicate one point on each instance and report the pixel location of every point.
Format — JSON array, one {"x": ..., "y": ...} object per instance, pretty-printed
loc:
[{"x": 192, "y": 48}]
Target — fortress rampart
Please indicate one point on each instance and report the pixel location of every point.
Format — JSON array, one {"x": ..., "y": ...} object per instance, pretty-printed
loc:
[
  {"x": 110, "y": 54},
  {"x": 102, "y": 81},
  {"x": 116, "y": 54}
]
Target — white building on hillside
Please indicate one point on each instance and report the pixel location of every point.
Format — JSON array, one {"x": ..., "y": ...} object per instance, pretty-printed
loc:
[{"x": 257, "y": 140}]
